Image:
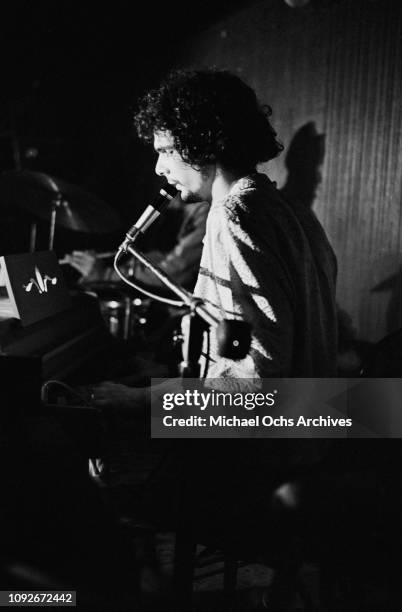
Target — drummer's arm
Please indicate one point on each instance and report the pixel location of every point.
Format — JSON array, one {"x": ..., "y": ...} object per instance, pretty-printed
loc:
[
  {"x": 91, "y": 266},
  {"x": 87, "y": 264}
]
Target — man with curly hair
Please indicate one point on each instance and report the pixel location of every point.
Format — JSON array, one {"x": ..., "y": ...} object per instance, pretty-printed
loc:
[{"x": 264, "y": 260}]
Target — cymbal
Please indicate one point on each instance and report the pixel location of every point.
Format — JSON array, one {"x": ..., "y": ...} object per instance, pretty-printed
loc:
[{"x": 76, "y": 209}]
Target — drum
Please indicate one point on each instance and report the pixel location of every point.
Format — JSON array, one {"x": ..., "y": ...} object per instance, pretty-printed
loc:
[
  {"x": 114, "y": 312},
  {"x": 124, "y": 312},
  {"x": 125, "y": 317}
]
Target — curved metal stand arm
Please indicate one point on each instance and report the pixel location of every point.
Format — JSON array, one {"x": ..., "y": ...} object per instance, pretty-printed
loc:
[
  {"x": 186, "y": 298},
  {"x": 233, "y": 336}
]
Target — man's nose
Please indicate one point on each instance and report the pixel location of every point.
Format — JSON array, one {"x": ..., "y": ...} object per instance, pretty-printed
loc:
[{"x": 160, "y": 168}]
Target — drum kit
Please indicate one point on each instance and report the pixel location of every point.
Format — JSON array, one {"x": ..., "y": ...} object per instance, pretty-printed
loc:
[{"x": 63, "y": 204}]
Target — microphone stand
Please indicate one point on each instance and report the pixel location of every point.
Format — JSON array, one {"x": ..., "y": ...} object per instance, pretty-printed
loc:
[
  {"x": 233, "y": 341},
  {"x": 233, "y": 336}
]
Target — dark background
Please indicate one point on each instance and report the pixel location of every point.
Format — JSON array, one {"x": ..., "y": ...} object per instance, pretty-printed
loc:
[{"x": 72, "y": 73}]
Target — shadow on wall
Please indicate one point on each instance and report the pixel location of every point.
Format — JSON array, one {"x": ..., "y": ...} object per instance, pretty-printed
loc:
[
  {"x": 393, "y": 285},
  {"x": 303, "y": 161}
]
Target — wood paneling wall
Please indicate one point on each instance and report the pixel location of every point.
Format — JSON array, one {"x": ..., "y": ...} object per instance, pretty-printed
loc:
[{"x": 336, "y": 63}]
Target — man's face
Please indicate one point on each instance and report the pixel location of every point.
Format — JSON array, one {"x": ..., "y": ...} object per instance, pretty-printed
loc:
[{"x": 194, "y": 185}]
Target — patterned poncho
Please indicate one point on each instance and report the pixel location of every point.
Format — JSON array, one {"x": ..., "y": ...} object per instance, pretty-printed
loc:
[{"x": 268, "y": 262}]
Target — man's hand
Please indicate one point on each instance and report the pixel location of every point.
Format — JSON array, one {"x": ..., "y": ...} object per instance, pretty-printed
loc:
[
  {"x": 119, "y": 399},
  {"x": 86, "y": 263}
]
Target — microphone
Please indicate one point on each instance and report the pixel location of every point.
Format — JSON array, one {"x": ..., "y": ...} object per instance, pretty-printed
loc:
[{"x": 152, "y": 212}]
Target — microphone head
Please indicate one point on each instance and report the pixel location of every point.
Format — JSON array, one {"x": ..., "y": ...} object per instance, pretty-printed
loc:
[
  {"x": 168, "y": 191},
  {"x": 165, "y": 195}
]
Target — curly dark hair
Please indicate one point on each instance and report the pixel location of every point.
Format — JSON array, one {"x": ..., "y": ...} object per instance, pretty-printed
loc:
[{"x": 213, "y": 116}]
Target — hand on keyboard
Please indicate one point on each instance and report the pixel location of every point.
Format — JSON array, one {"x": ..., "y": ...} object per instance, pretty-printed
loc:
[{"x": 118, "y": 399}]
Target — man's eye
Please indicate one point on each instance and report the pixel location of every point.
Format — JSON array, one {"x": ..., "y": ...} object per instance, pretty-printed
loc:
[{"x": 167, "y": 152}]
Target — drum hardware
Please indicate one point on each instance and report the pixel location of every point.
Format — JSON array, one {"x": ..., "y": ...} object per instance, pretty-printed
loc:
[
  {"x": 123, "y": 314},
  {"x": 111, "y": 311}
]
